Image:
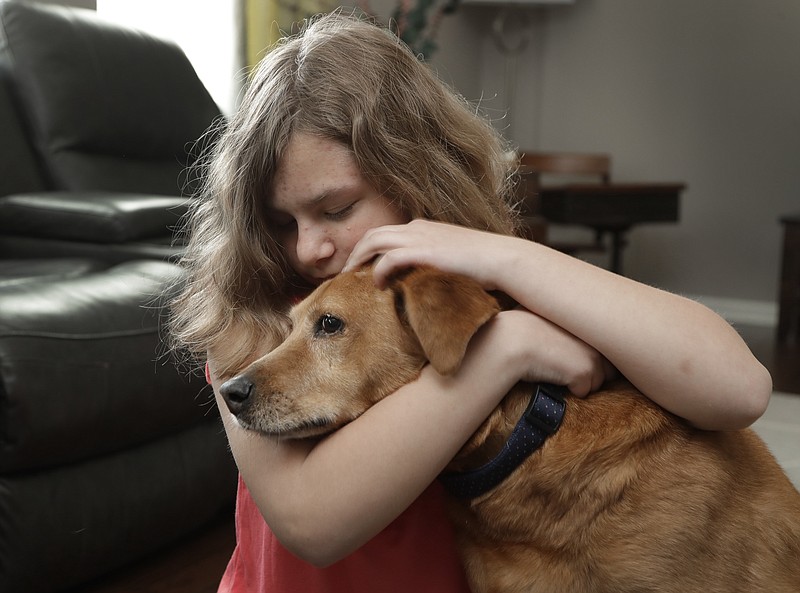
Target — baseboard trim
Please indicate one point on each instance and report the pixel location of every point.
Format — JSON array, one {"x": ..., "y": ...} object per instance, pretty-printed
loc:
[{"x": 742, "y": 311}]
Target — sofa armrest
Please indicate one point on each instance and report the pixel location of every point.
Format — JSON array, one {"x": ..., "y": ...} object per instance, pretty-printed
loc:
[
  {"x": 94, "y": 217},
  {"x": 83, "y": 367}
]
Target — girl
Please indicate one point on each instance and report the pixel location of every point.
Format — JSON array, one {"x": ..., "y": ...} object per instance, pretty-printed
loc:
[{"x": 347, "y": 148}]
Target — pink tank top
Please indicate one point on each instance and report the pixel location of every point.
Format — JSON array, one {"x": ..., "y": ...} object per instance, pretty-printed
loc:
[{"x": 415, "y": 554}]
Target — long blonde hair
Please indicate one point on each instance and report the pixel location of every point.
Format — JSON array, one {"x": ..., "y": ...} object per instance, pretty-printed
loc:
[{"x": 413, "y": 139}]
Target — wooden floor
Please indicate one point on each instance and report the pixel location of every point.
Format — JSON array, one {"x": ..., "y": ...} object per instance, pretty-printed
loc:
[
  {"x": 782, "y": 360},
  {"x": 195, "y": 565},
  {"x": 192, "y": 566}
]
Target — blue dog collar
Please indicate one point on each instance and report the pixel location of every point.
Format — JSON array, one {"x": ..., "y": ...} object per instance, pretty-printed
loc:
[{"x": 541, "y": 418}]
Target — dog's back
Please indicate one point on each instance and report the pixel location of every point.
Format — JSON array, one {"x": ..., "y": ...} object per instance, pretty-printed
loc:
[{"x": 626, "y": 497}]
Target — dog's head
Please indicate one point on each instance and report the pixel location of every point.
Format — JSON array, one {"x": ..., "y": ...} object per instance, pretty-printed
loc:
[{"x": 352, "y": 344}]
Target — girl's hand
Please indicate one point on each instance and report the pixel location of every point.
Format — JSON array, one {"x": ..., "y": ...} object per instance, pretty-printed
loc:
[
  {"x": 546, "y": 352},
  {"x": 550, "y": 354},
  {"x": 448, "y": 247}
]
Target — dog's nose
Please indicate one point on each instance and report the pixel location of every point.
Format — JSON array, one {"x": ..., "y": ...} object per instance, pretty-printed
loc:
[{"x": 236, "y": 392}]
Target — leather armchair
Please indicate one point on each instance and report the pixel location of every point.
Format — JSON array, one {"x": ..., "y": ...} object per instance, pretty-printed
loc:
[
  {"x": 102, "y": 120},
  {"x": 107, "y": 451}
]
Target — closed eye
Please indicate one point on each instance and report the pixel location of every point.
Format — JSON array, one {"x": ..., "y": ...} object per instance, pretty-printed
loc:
[{"x": 341, "y": 213}]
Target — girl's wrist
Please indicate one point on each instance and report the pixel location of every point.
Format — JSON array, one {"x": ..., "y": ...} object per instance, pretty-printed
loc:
[{"x": 511, "y": 346}]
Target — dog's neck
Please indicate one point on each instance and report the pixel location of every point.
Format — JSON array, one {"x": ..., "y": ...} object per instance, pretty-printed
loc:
[
  {"x": 487, "y": 442},
  {"x": 515, "y": 430}
]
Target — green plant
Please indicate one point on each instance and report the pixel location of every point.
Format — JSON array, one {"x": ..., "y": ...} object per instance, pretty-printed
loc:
[{"x": 417, "y": 22}]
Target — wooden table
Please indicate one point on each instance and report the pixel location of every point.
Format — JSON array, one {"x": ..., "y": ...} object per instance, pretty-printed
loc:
[{"x": 612, "y": 208}]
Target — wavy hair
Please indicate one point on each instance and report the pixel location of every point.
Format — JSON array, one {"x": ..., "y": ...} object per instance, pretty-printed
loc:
[{"x": 414, "y": 140}]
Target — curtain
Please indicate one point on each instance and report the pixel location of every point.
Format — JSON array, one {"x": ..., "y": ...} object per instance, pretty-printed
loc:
[{"x": 266, "y": 21}]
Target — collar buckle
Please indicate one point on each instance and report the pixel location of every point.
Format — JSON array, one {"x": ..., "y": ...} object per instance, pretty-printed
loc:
[{"x": 545, "y": 411}]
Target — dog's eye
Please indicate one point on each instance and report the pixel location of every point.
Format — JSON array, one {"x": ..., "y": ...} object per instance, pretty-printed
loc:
[{"x": 328, "y": 324}]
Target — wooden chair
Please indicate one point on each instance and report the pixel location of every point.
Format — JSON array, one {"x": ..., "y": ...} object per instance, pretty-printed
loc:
[
  {"x": 573, "y": 164},
  {"x": 538, "y": 169}
]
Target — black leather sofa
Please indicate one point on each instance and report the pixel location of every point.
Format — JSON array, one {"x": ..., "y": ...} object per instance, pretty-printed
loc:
[{"x": 108, "y": 452}]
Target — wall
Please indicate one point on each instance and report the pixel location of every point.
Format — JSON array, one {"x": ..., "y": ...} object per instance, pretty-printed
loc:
[{"x": 702, "y": 92}]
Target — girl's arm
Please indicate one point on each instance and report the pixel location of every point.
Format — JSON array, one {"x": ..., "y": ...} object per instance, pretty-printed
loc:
[
  {"x": 676, "y": 351},
  {"x": 325, "y": 499}
]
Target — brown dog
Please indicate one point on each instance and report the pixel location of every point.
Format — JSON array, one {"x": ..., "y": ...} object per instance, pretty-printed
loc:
[{"x": 623, "y": 497}]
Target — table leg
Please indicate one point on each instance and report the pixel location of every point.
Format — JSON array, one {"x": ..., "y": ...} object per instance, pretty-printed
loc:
[{"x": 619, "y": 240}]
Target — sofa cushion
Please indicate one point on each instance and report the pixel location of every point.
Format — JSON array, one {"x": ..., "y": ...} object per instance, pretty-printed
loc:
[
  {"x": 19, "y": 166},
  {"x": 158, "y": 248},
  {"x": 83, "y": 371},
  {"x": 14, "y": 272},
  {"x": 94, "y": 217}
]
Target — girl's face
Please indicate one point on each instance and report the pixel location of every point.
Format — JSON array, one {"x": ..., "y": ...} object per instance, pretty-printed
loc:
[{"x": 321, "y": 206}]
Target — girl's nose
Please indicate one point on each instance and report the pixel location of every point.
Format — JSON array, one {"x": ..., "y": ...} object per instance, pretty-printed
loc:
[{"x": 313, "y": 245}]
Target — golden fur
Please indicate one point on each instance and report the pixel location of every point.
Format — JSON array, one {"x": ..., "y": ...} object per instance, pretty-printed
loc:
[{"x": 624, "y": 497}]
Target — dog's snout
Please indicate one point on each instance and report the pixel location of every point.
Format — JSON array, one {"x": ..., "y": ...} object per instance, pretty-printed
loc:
[{"x": 237, "y": 392}]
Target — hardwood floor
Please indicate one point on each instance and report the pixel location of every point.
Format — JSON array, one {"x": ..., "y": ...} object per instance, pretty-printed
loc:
[
  {"x": 192, "y": 566},
  {"x": 782, "y": 360},
  {"x": 196, "y": 565}
]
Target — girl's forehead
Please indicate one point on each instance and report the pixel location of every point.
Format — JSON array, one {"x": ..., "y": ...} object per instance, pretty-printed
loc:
[
  {"x": 307, "y": 152},
  {"x": 311, "y": 169}
]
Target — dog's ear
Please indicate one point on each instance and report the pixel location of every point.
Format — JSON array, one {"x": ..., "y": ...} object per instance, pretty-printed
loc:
[{"x": 444, "y": 311}]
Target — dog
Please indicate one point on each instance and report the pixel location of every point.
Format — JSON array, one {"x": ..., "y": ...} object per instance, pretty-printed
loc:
[{"x": 620, "y": 496}]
